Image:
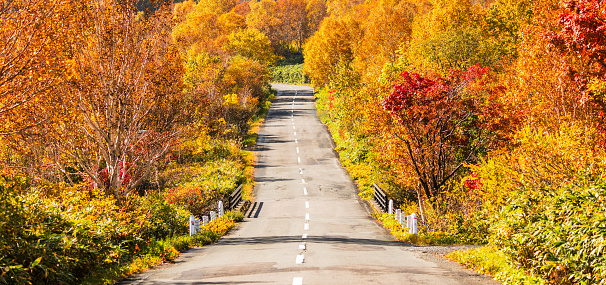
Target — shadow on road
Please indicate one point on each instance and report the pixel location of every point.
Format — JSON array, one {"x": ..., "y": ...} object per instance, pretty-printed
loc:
[{"x": 314, "y": 239}]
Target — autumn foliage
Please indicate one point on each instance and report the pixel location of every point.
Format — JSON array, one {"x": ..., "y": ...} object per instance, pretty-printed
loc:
[
  {"x": 100, "y": 104},
  {"x": 444, "y": 123},
  {"x": 486, "y": 118}
]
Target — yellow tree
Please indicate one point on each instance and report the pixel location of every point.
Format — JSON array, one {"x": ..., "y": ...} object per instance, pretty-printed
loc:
[
  {"x": 316, "y": 12},
  {"x": 262, "y": 17},
  {"x": 252, "y": 44},
  {"x": 332, "y": 45},
  {"x": 387, "y": 27}
]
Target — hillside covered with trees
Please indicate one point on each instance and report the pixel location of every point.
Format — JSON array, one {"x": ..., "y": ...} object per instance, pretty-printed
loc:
[{"x": 486, "y": 118}]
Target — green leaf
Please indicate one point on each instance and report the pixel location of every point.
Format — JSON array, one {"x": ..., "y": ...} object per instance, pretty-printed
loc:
[{"x": 36, "y": 262}]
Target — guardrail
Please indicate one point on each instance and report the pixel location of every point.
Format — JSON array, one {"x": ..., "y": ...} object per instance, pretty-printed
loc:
[
  {"x": 381, "y": 198},
  {"x": 235, "y": 198}
]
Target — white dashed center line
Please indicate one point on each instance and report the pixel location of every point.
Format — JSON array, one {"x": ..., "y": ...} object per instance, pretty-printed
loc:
[
  {"x": 304, "y": 236},
  {"x": 305, "y": 191},
  {"x": 300, "y": 259},
  {"x": 302, "y": 181},
  {"x": 295, "y": 134},
  {"x": 306, "y": 227},
  {"x": 300, "y": 171},
  {"x": 306, "y": 204},
  {"x": 302, "y": 246},
  {"x": 297, "y": 149},
  {"x": 296, "y": 141},
  {"x": 299, "y": 159},
  {"x": 307, "y": 216}
]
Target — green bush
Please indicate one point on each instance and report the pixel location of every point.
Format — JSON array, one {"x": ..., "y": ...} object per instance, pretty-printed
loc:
[
  {"x": 38, "y": 244},
  {"x": 557, "y": 233},
  {"x": 54, "y": 234},
  {"x": 289, "y": 74}
]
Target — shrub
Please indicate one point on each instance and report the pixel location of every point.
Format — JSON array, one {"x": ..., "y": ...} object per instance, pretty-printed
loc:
[
  {"x": 289, "y": 74},
  {"x": 211, "y": 182},
  {"x": 557, "y": 233},
  {"x": 39, "y": 244},
  {"x": 55, "y": 234}
]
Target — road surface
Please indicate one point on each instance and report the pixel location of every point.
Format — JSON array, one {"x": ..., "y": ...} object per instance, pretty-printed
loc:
[{"x": 307, "y": 225}]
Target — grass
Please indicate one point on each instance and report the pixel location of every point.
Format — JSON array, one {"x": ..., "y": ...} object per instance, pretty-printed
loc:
[
  {"x": 431, "y": 238},
  {"x": 490, "y": 261}
]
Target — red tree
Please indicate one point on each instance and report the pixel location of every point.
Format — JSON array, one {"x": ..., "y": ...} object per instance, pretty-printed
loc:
[
  {"x": 583, "y": 32},
  {"x": 445, "y": 122}
]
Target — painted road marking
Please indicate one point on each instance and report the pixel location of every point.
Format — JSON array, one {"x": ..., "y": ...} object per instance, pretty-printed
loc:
[
  {"x": 296, "y": 141},
  {"x": 295, "y": 134},
  {"x": 300, "y": 259},
  {"x": 297, "y": 149},
  {"x": 306, "y": 204},
  {"x": 297, "y": 281},
  {"x": 306, "y": 227},
  {"x": 302, "y": 181},
  {"x": 304, "y": 236},
  {"x": 305, "y": 191},
  {"x": 300, "y": 171},
  {"x": 307, "y": 216},
  {"x": 302, "y": 246},
  {"x": 294, "y": 128},
  {"x": 299, "y": 159}
]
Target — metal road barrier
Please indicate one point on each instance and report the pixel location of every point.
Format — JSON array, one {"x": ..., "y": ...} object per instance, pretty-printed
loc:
[
  {"x": 380, "y": 197},
  {"x": 235, "y": 198}
]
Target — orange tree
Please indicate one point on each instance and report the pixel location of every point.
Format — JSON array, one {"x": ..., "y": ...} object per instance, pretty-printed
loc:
[
  {"x": 444, "y": 123},
  {"x": 123, "y": 96},
  {"x": 31, "y": 37}
]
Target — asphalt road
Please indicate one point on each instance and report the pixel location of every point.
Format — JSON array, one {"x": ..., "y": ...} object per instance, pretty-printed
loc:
[{"x": 307, "y": 225}]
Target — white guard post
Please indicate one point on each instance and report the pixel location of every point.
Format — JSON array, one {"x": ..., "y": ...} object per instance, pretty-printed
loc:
[
  {"x": 399, "y": 216},
  {"x": 192, "y": 228},
  {"x": 390, "y": 208},
  {"x": 413, "y": 218},
  {"x": 213, "y": 216},
  {"x": 220, "y": 209},
  {"x": 197, "y": 226}
]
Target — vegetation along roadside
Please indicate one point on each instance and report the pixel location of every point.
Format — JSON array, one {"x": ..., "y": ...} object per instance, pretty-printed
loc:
[
  {"x": 106, "y": 154},
  {"x": 485, "y": 118}
]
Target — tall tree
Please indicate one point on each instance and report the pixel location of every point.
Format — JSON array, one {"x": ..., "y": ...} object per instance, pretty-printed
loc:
[
  {"x": 444, "y": 123},
  {"x": 123, "y": 95}
]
